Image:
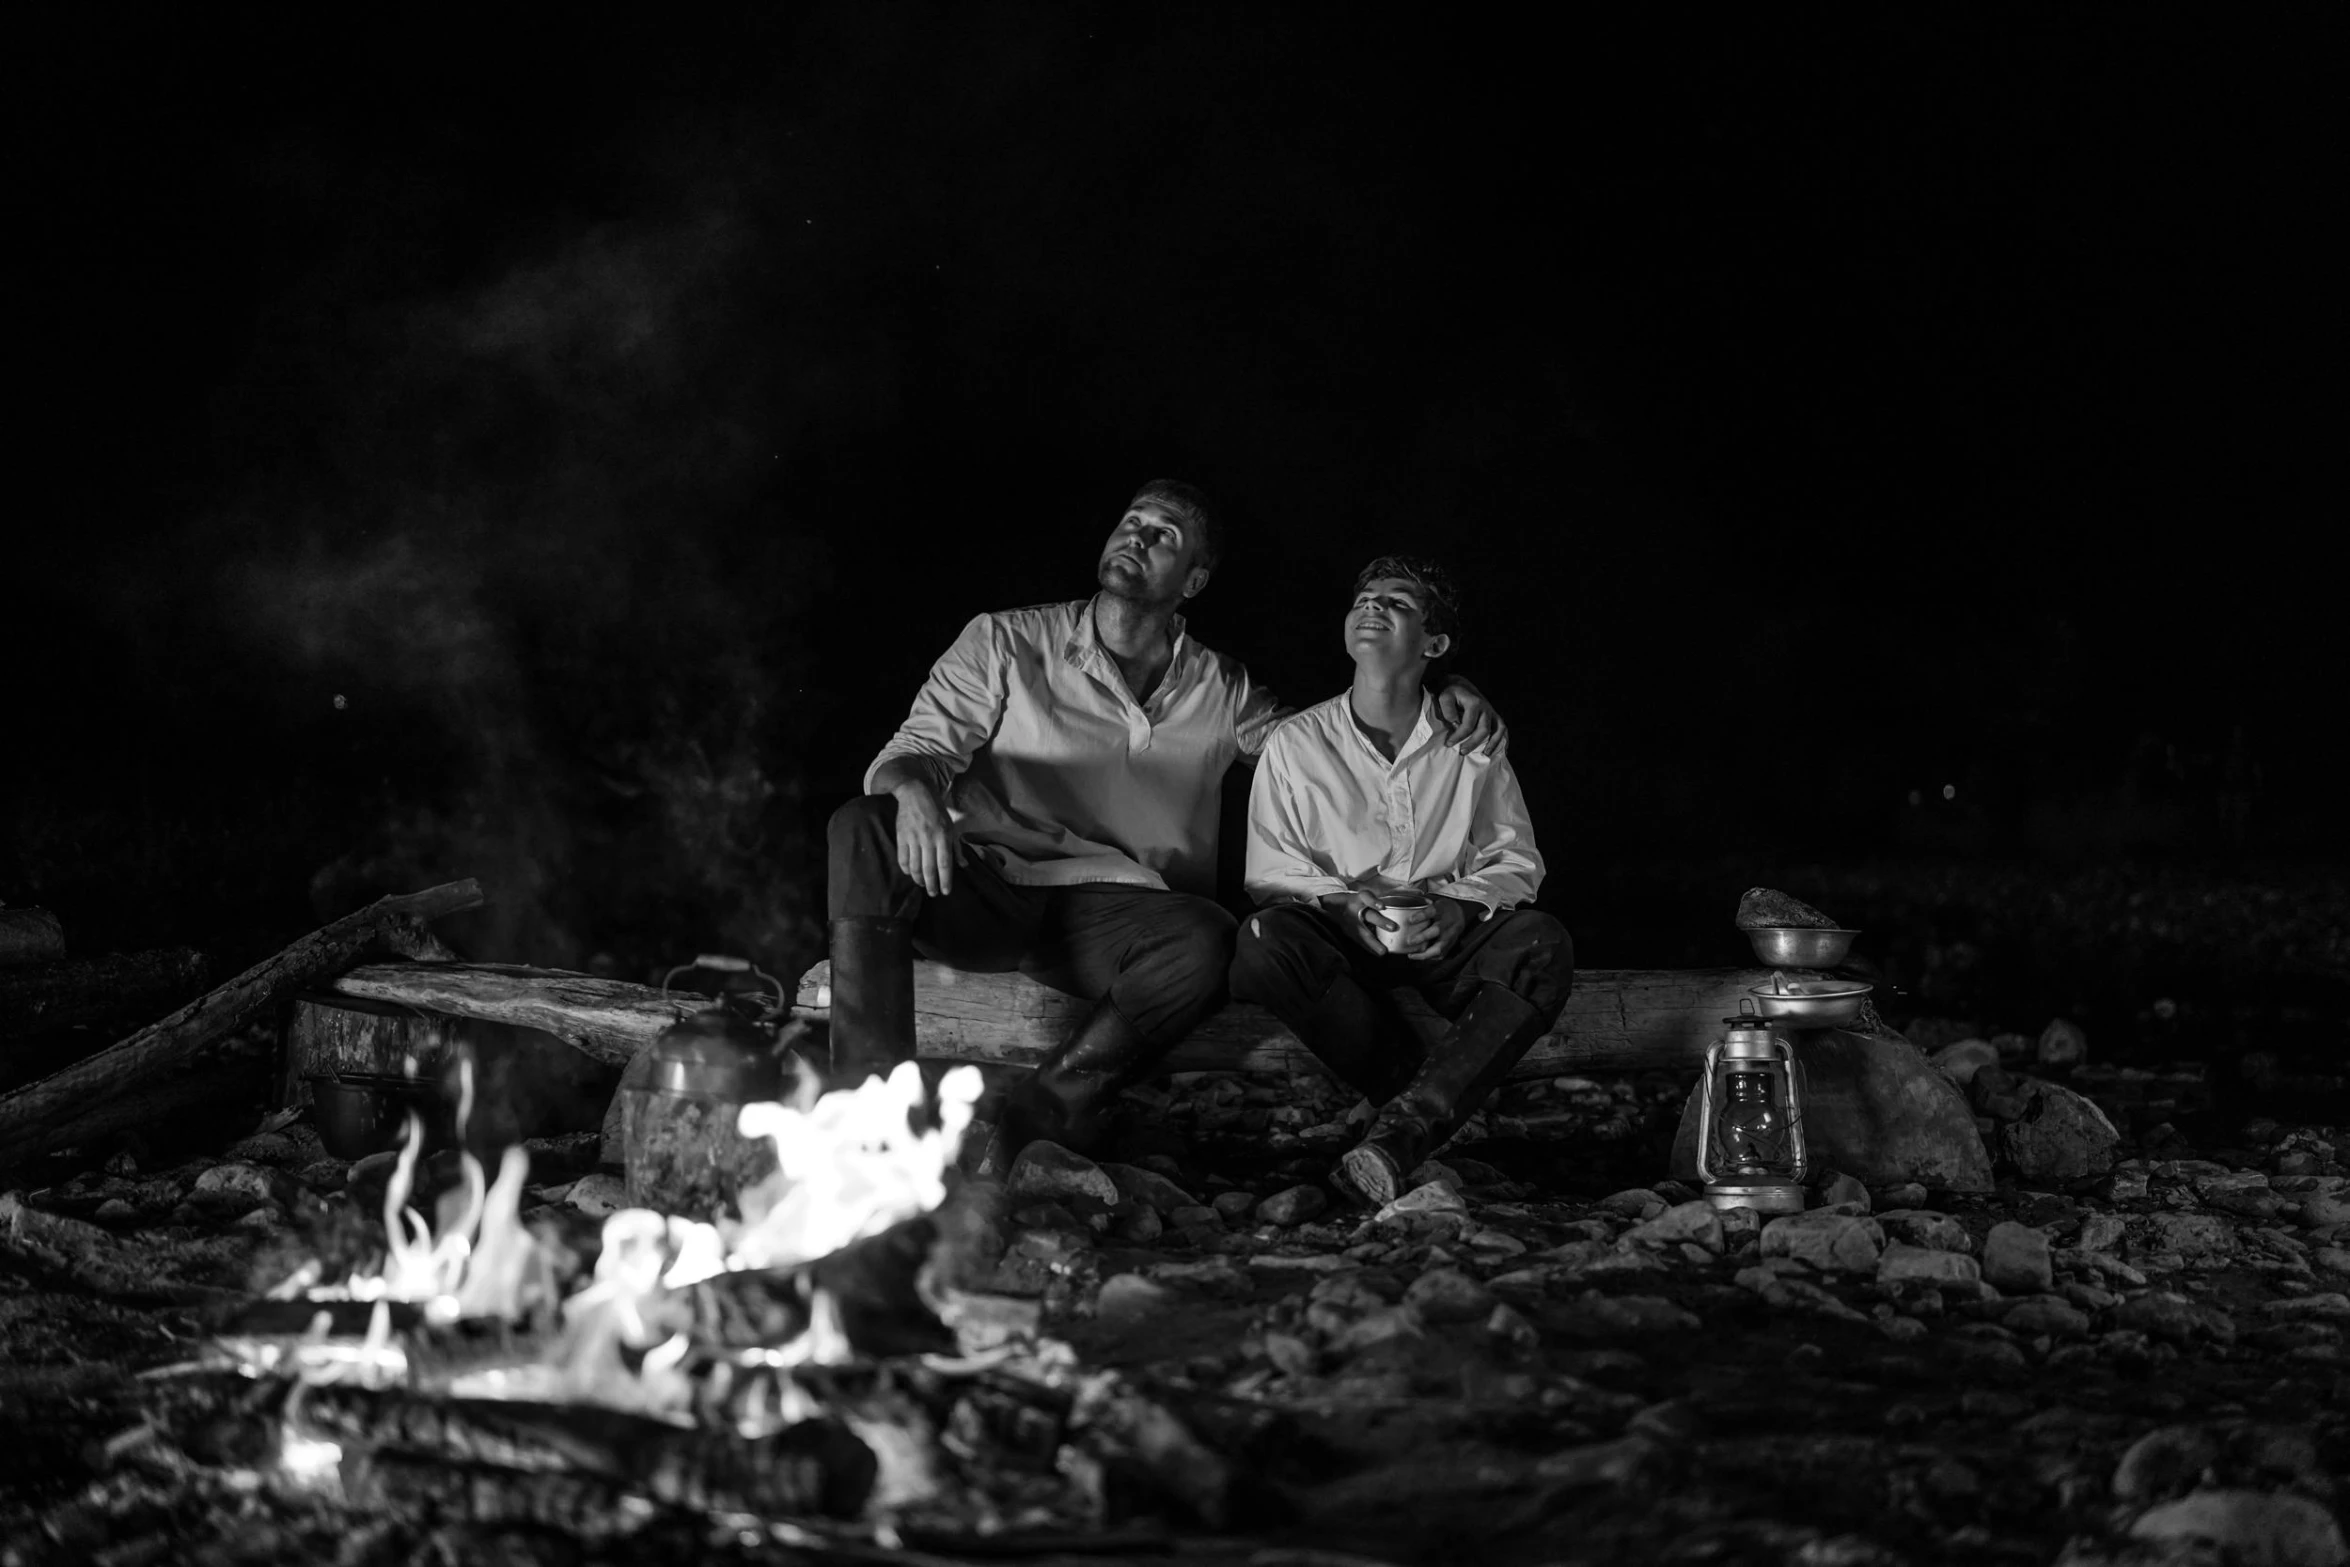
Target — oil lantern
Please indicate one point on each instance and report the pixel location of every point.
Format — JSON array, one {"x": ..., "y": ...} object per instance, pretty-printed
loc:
[
  {"x": 1750, "y": 1119},
  {"x": 681, "y": 1096}
]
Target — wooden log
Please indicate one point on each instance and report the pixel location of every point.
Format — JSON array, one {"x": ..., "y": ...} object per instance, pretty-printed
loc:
[
  {"x": 815, "y": 1466},
  {"x": 339, "y": 1034},
  {"x": 609, "y": 1019},
  {"x": 92, "y": 1258},
  {"x": 1618, "y": 1020},
  {"x": 49, "y": 998},
  {"x": 55, "y": 1111},
  {"x": 173, "y": 1109},
  {"x": 30, "y": 936}
]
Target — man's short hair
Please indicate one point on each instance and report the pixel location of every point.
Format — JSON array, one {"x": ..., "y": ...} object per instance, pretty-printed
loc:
[
  {"x": 1190, "y": 503},
  {"x": 1441, "y": 599}
]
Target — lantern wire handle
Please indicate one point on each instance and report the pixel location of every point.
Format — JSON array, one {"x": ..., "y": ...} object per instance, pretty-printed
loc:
[
  {"x": 1705, "y": 1114},
  {"x": 1800, "y": 1089}
]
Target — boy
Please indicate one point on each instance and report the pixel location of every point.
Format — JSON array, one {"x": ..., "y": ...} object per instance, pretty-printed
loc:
[{"x": 1359, "y": 800}]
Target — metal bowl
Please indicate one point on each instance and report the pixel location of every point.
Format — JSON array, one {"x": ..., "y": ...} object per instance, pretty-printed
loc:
[
  {"x": 1790, "y": 946},
  {"x": 1811, "y": 1003},
  {"x": 360, "y": 1113}
]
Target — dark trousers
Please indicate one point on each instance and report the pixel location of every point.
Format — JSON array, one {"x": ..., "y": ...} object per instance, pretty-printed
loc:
[
  {"x": 1289, "y": 956},
  {"x": 1159, "y": 957}
]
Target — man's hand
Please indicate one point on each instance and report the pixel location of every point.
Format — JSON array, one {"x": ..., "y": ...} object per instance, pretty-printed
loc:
[
  {"x": 1470, "y": 724},
  {"x": 1359, "y": 915},
  {"x": 1441, "y": 931},
  {"x": 930, "y": 845}
]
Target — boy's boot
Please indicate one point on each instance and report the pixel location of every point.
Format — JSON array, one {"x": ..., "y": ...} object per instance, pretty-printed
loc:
[{"x": 1485, "y": 1041}]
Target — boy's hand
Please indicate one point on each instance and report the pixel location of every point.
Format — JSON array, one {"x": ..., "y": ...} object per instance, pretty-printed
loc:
[
  {"x": 1470, "y": 724},
  {"x": 1359, "y": 915},
  {"x": 1444, "y": 927}
]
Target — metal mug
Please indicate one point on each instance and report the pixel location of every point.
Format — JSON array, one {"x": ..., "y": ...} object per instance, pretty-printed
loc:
[{"x": 1412, "y": 910}]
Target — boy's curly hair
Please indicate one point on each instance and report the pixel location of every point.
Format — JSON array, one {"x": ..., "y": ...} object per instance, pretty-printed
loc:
[{"x": 1443, "y": 598}]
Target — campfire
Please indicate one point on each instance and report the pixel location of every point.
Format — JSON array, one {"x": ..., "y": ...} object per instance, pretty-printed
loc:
[
  {"x": 282, "y": 1351},
  {"x": 806, "y": 1365}
]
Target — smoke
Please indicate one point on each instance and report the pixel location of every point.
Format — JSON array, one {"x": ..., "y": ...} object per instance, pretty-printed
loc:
[{"x": 531, "y": 564}]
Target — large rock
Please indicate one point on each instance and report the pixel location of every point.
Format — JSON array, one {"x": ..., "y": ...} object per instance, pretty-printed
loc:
[
  {"x": 2063, "y": 1044},
  {"x": 1448, "y": 1295},
  {"x": 1960, "y": 1062},
  {"x": 2060, "y": 1136},
  {"x": 1924, "y": 1227},
  {"x": 2015, "y": 1258},
  {"x": 238, "y": 1187},
  {"x": 2194, "y": 1236},
  {"x": 1293, "y": 1206},
  {"x": 1696, "y": 1223},
  {"x": 2323, "y": 1210},
  {"x": 1876, "y": 1109},
  {"x": 2275, "y": 1530},
  {"x": 1149, "y": 1188},
  {"x": 1831, "y": 1242},
  {"x": 2163, "y": 1462},
  {"x": 1047, "y": 1172},
  {"x": 1923, "y": 1265}
]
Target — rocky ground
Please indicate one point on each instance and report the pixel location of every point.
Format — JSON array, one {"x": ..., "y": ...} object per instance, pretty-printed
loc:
[{"x": 1542, "y": 1352}]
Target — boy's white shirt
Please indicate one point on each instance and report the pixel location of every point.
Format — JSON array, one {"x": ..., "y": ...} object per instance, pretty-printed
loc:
[{"x": 1327, "y": 813}]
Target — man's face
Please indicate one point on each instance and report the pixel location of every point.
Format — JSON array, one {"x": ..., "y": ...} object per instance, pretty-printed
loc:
[
  {"x": 1152, "y": 556},
  {"x": 1387, "y": 626}
]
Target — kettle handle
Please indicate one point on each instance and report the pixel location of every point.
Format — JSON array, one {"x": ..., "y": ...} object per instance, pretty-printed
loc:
[{"x": 724, "y": 963}]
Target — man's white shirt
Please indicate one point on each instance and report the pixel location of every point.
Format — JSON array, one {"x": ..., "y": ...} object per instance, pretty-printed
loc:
[
  {"x": 1057, "y": 774},
  {"x": 1327, "y": 813}
]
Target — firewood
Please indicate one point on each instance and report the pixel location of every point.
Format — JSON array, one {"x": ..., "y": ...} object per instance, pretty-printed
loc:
[
  {"x": 871, "y": 1283},
  {"x": 813, "y": 1467},
  {"x": 79, "y": 1253},
  {"x": 57, "y": 1110},
  {"x": 48, "y": 998},
  {"x": 609, "y": 1019}
]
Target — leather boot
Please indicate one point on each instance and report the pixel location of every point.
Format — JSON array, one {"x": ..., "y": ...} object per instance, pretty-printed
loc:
[
  {"x": 1064, "y": 1099},
  {"x": 872, "y": 997},
  {"x": 1361, "y": 1038},
  {"x": 1489, "y": 1037}
]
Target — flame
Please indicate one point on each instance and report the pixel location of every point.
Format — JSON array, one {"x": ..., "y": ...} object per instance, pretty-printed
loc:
[
  {"x": 850, "y": 1164},
  {"x": 476, "y": 1259}
]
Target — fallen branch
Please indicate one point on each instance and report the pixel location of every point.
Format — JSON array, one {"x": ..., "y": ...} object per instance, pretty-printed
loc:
[
  {"x": 58, "y": 1110},
  {"x": 609, "y": 1019},
  {"x": 80, "y": 1253},
  {"x": 48, "y": 998}
]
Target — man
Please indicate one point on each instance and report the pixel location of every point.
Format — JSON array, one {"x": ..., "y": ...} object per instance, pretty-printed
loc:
[
  {"x": 1356, "y": 800},
  {"x": 1050, "y": 805}
]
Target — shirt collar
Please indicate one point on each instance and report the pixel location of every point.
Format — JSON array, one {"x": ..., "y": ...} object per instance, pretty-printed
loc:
[
  {"x": 1085, "y": 643},
  {"x": 1423, "y": 730}
]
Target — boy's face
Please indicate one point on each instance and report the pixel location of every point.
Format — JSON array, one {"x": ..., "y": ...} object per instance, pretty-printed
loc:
[{"x": 1387, "y": 626}]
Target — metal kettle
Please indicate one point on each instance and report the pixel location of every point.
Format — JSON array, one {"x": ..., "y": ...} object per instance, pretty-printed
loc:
[{"x": 682, "y": 1094}]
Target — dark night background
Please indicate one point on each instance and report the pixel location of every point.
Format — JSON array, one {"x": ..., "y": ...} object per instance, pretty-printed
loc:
[{"x": 557, "y": 455}]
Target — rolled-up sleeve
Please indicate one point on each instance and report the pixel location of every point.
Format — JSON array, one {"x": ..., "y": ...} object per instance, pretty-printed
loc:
[
  {"x": 1500, "y": 867},
  {"x": 1281, "y": 867},
  {"x": 957, "y": 709},
  {"x": 1256, "y": 714}
]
